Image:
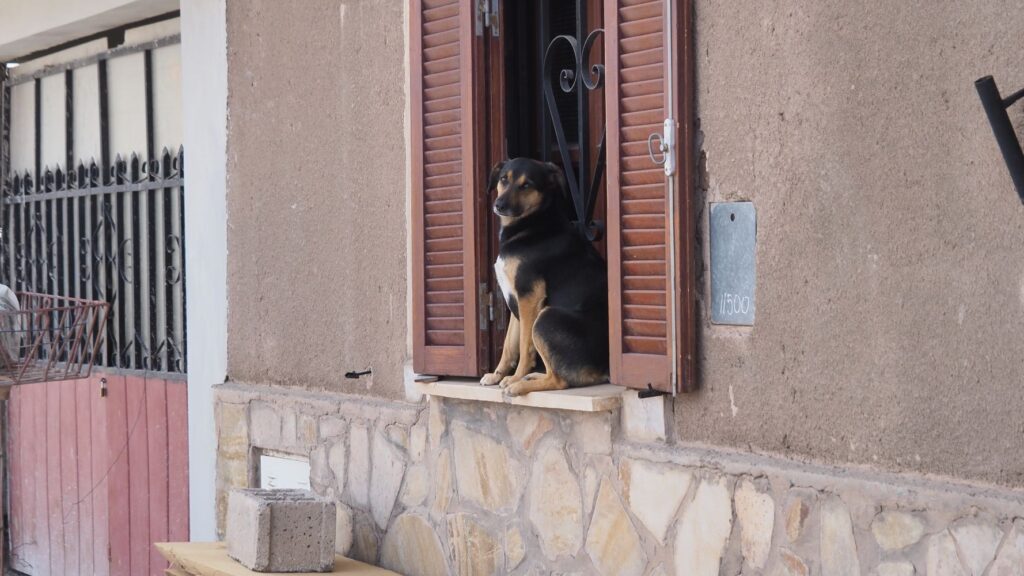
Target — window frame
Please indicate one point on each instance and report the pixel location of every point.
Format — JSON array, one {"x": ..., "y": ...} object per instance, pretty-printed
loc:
[{"x": 649, "y": 371}]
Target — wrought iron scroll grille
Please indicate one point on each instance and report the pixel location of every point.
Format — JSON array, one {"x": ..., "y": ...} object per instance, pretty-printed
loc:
[
  {"x": 109, "y": 230},
  {"x": 583, "y": 179}
]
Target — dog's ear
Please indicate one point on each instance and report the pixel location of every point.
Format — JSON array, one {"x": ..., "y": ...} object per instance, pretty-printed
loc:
[
  {"x": 492, "y": 180},
  {"x": 556, "y": 177}
]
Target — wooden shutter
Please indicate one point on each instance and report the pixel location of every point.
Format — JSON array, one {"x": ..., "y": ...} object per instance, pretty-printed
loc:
[
  {"x": 648, "y": 58},
  {"x": 444, "y": 182}
]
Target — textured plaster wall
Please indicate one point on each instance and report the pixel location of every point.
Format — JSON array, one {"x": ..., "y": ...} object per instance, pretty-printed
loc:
[
  {"x": 890, "y": 273},
  {"x": 890, "y": 262},
  {"x": 317, "y": 193}
]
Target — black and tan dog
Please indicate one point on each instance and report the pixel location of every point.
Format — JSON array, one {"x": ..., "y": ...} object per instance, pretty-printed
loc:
[{"x": 554, "y": 281}]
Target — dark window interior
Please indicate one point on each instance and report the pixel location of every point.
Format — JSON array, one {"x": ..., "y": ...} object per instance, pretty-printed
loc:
[{"x": 528, "y": 28}]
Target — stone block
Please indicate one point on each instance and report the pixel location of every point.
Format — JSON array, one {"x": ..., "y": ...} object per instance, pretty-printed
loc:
[
  {"x": 654, "y": 493},
  {"x": 643, "y": 419},
  {"x": 702, "y": 532},
  {"x": 515, "y": 548},
  {"x": 343, "y": 528},
  {"x": 592, "y": 433},
  {"x": 1010, "y": 561},
  {"x": 796, "y": 517},
  {"x": 385, "y": 479},
  {"x": 232, "y": 429},
  {"x": 264, "y": 425},
  {"x": 474, "y": 550},
  {"x": 612, "y": 542},
  {"x": 838, "y": 546},
  {"x": 789, "y": 564},
  {"x": 896, "y": 530},
  {"x": 332, "y": 427},
  {"x": 977, "y": 542},
  {"x": 901, "y": 568},
  {"x": 442, "y": 483},
  {"x": 320, "y": 478},
  {"x": 336, "y": 461},
  {"x": 358, "y": 473},
  {"x": 485, "y": 471},
  {"x": 411, "y": 547},
  {"x": 418, "y": 442},
  {"x": 555, "y": 508},
  {"x": 942, "y": 559},
  {"x": 281, "y": 530},
  {"x": 417, "y": 483},
  {"x": 756, "y": 514},
  {"x": 527, "y": 426}
]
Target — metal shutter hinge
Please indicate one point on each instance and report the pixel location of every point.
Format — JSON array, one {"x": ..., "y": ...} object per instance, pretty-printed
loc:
[
  {"x": 487, "y": 17},
  {"x": 486, "y": 304}
]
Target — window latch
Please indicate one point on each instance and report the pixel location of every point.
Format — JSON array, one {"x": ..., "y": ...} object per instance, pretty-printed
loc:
[
  {"x": 666, "y": 145},
  {"x": 487, "y": 17}
]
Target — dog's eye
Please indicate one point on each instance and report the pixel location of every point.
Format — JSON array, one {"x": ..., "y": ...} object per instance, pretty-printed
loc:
[{"x": 504, "y": 179}]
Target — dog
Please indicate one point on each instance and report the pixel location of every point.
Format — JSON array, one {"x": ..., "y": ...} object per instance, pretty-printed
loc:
[{"x": 554, "y": 281}]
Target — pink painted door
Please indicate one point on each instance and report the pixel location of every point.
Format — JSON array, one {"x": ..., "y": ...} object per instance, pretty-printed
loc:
[{"x": 95, "y": 480}]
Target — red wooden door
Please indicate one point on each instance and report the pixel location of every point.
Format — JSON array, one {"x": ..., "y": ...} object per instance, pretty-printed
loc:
[{"x": 95, "y": 480}]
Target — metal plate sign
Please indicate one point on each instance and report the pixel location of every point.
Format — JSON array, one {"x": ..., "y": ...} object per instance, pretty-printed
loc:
[{"x": 733, "y": 242}]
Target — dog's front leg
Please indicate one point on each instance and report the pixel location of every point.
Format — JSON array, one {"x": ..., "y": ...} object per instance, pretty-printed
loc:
[
  {"x": 529, "y": 308},
  {"x": 509, "y": 355}
]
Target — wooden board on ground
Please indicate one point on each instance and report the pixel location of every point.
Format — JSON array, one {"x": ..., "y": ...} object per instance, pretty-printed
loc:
[{"x": 211, "y": 559}]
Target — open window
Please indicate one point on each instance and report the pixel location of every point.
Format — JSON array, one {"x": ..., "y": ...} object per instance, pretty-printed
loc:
[{"x": 486, "y": 77}]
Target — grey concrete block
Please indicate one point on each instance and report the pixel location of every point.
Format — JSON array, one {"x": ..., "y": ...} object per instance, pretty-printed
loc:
[{"x": 281, "y": 530}]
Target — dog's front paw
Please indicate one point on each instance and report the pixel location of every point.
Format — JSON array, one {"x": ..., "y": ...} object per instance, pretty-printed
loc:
[
  {"x": 507, "y": 381},
  {"x": 491, "y": 379}
]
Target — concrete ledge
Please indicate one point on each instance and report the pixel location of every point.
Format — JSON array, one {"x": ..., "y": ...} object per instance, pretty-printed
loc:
[
  {"x": 601, "y": 398},
  {"x": 211, "y": 558}
]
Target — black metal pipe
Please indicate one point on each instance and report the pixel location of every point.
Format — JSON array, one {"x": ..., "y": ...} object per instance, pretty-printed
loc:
[{"x": 1009, "y": 145}]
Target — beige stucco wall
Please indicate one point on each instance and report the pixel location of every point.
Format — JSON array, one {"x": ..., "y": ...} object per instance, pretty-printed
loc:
[
  {"x": 317, "y": 193},
  {"x": 890, "y": 271},
  {"x": 890, "y": 264}
]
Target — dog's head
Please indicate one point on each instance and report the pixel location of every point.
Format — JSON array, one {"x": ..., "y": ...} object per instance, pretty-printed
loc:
[{"x": 525, "y": 187}]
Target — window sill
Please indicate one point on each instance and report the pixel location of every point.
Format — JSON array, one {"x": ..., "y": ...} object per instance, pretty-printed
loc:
[{"x": 600, "y": 398}]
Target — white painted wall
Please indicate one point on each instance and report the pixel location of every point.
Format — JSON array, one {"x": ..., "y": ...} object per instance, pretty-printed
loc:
[
  {"x": 54, "y": 122},
  {"x": 126, "y": 93},
  {"x": 167, "y": 121},
  {"x": 86, "y": 87},
  {"x": 30, "y": 25},
  {"x": 204, "y": 82},
  {"x": 23, "y": 127},
  {"x": 127, "y": 104}
]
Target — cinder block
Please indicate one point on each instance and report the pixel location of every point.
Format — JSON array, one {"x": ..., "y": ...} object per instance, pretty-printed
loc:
[{"x": 281, "y": 530}]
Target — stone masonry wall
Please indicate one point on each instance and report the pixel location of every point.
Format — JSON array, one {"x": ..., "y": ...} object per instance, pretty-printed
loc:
[{"x": 455, "y": 487}]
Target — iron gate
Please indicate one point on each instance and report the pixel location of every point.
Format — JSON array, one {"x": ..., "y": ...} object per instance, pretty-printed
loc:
[
  {"x": 98, "y": 468},
  {"x": 110, "y": 230}
]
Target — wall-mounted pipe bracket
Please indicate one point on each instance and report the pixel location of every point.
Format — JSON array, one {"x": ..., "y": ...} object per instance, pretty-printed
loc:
[{"x": 995, "y": 107}]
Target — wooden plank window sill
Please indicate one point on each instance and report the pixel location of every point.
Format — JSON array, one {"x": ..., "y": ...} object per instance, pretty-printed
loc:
[
  {"x": 600, "y": 398},
  {"x": 211, "y": 559}
]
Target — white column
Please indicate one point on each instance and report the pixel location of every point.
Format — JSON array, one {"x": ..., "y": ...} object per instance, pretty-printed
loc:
[{"x": 204, "y": 104}]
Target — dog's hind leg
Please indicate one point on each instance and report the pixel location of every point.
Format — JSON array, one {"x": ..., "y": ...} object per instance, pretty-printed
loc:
[
  {"x": 549, "y": 381},
  {"x": 573, "y": 348}
]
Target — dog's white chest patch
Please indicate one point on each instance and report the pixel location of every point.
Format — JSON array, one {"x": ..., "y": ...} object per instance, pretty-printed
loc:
[{"x": 504, "y": 282}]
